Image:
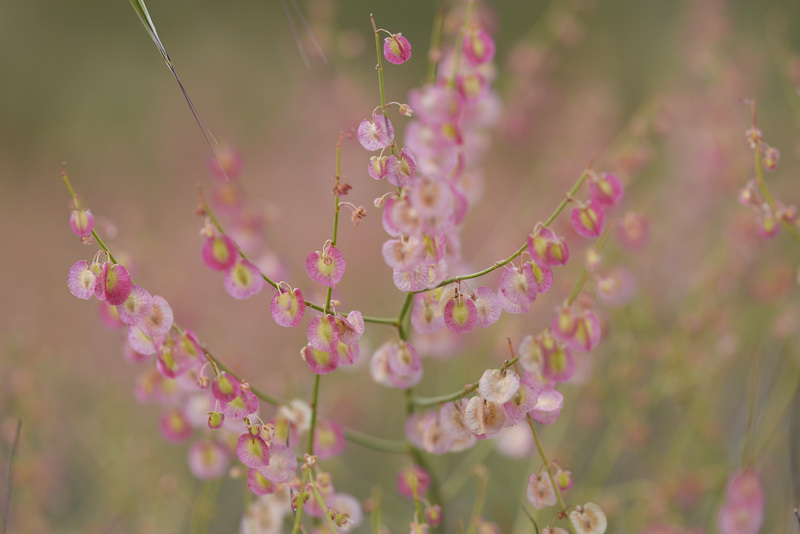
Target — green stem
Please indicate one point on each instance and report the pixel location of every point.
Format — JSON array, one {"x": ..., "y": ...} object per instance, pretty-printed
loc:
[
  {"x": 480, "y": 499},
  {"x": 381, "y": 320},
  {"x": 299, "y": 514},
  {"x": 451, "y": 83},
  {"x": 324, "y": 507},
  {"x": 547, "y": 468},
  {"x": 423, "y": 402},
  {"x": 377, "y": 444},
  {"x": 403, "y": 330},
  {"x": 380, "y": 64},
  {"x": 313, "y": 426},
  {"x": 561, "y": 205},
  {"x": 435, "y": 52},
  {"x": 762, "y": 184},
  {"x": 11, "y": 456}
]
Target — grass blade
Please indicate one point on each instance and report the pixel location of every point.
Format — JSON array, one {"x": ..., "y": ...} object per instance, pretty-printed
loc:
[
  {"x": 144, "y": 16},
  {"x": 7, "y": 500}
]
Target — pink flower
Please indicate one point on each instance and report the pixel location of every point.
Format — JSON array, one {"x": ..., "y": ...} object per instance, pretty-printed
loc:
[
  {"x": 375, "y": 134},
  {"x": 396, "y": 363},
  {"x": 321, "y": 362},
  {"x": 81, "y": 280},
  {"x": 287, "y": 307},
  {"x": 396, "y": 49},
  {"x": 487, "y": 306},
  {"x": 412, "y": 481},
  {"x": 208, "y": 459},
  {"x": 323, "y": 334},
  {"x": 547, "y": 249},
  {"x": 252, "y": 449},
  {"x": 282, "y": 464},
  {"x": 81, "y": 223},
  {"x": 632, "y": 231},
  {"x": 377, "y": 167},
  {"x": 242, "y": 405},
  {"x": 225, "y": 388},
  {"x": 588, "y": 220},
  {"x": 328, "y": 440},
  {"x": 243, "y": 280},
  {"x": 519, "y": 284},
  {"x": 606, "y": 190},
  {"x": 136, "y": 307},
  {"x": 548, "y": 407},
  {"x": 326, "y": 267},
  {"x": 113, "y": 284},
  {"x": 478, "y": 47},
  {"x": 401, "y": 170},
  {"x": 540, "y": 491},
  {"x": 219, "y": 252},
  {"x": 174, "y": 426},
  {"x": 259, "y": 484},
  {"x": 460, "y": 314}
]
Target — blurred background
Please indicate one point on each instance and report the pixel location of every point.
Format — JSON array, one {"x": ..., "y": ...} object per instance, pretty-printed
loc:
[{"x": 702, "y": 359}]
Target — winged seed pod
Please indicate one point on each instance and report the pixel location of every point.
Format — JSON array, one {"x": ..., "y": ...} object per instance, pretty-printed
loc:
[{"x": 588, "y": 519}]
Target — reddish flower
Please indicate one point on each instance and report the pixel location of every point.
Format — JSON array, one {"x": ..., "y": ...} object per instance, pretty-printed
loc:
[
  {"x": 588, "y": 219},
  {"x": 478, "y": 47},
  {"x": 219, "y": 252},
  {"x": 606, "y": 190},
  {"x": 396, "y": 49}
]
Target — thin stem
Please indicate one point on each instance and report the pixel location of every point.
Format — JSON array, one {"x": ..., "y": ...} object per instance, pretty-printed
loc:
[
  {"x": 762, "y": 184},
  {"x": 311, "y": 430},
  {"x": 576, "y": 289},
  {"x": 403, "y": 331},
  {"x": 435, "y": 51},
  {"x": 547, "y": 468},
  {"x": 480, "y": 498},
  {"x": 417, "y": 504},
  {"x": 381, "y": 320},
  {"x": 7, "y": 500},
  {"x": 380, "y": 79},
  {"x": 336, "y": 194},
  {"x": 377, "y": 444},
  {"x": 298, "y": 516},
  {"x": 269, "y": 399},
  {"x": 422, "y": 402},
  {"x": 755, "y": 379},
  {"x": 451, "y": 82},
  {"x": 324, "y": 507},
  {"x": 220, "y": 229},
  {"x": 561, "y": 205},
  {"x": 380, "y": 64}
]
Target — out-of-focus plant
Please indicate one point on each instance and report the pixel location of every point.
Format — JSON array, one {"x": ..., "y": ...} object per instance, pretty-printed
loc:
[{"x": 435, "y": 178}]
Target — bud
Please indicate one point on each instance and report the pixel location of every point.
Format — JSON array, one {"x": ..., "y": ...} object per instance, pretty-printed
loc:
[
  {"x": 215, "y": 420},
  {"x": 82, "y": 223}
]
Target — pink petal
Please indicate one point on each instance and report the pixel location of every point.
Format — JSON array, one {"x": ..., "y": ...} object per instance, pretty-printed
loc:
[
  {"x": 287, "y": 308},
  {"x": 327, "y": 267},
  {"x": 219, "y": 252},
  {"x": 208, "y": 459},
  {"x": 396, "y": 49},
  {"x": 252, "y": 450},
  {"x": 243, "y": 280},
  {"x": 81, "y": 281}
]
